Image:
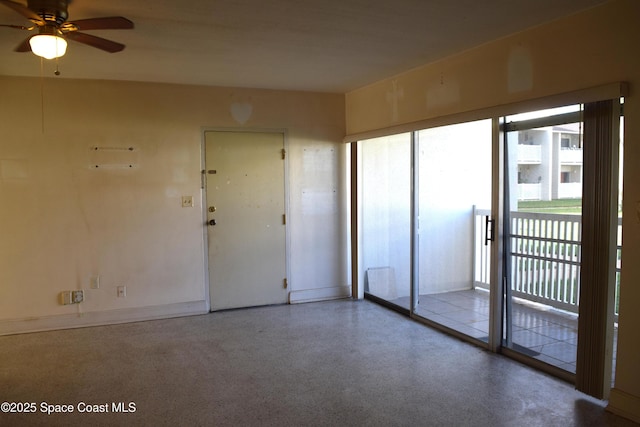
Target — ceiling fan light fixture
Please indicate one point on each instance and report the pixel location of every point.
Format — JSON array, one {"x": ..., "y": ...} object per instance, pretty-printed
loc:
[
  {"x": 49, "y": 17},
  {"x": 48, "y": 46}
]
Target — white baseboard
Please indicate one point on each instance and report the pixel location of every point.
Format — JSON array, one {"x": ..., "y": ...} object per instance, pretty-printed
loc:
[
  {"x": 322, "y": 294},
  {"x": 99, "y": 318},
  {"x": 624, "y": 404}
]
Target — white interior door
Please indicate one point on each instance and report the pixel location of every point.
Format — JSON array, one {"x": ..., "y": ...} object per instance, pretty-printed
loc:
[{"x": 245, "y": 213}]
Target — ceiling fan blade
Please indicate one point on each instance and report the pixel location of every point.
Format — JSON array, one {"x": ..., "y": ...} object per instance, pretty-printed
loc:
[
  {"x": 97, "y": 42},
  {"x": 17, "y": 27},
  {"x": 23, "y": 10},
  {"x": 24, "y": 46},
  {"x": 108, "y": 23}
]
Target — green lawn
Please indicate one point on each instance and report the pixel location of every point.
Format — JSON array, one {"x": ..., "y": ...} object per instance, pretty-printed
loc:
[
  {"x": 565, "y": 206},
  {"x": 559, "y": 206}
]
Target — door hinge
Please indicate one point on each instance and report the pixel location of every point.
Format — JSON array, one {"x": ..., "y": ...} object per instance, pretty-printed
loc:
[
  {"x": 285, "y": 284},
  {"x": 284, "y": 219},
  {"x": 284, "y": 154}
]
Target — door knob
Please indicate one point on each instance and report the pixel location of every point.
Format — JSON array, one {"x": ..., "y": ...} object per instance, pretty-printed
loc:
[{"x": 212, "y": 222}]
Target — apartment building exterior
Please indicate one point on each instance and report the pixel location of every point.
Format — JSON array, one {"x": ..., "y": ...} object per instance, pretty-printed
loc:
[{"x": 550, "y": 163}]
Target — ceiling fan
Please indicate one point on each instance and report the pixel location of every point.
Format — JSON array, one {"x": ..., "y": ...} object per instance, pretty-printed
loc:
[{"x": 50, "y": 20}]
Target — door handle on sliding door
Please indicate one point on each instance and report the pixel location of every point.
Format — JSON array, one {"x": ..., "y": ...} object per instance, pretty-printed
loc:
[{"x": 489, "y": 233}]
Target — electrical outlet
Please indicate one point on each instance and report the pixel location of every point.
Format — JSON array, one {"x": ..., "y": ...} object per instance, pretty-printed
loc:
[
  {"x": 77, "y": 296},
  {"x": 122, "y": 291},
  {"x": 187, "y": 201},
  {"x": 94, "y": 282}
]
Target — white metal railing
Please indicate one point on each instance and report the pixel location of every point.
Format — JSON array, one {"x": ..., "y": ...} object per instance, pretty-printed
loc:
[
  {"x": 569, "y": 190},
  {"x": 529, "y": 154},
  {"x": 571, "y": 156},
  {"x": 481, "y": 251},
  {"x": 545, "y": 257},
  {"x": 528, "y": 191}
]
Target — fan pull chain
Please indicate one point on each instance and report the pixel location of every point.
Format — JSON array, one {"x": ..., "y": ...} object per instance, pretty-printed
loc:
[{"x": 42, "y": 93}]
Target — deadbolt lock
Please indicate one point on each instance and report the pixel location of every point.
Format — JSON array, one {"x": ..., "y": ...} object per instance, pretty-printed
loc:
[{"x": 212, "y": 209}]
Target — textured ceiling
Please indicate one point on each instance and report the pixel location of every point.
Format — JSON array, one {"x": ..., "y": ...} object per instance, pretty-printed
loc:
[{"x": 311, "y": 45}]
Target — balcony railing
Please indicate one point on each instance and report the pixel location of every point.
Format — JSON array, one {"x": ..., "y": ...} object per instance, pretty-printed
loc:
[
  {"x": 528, "y": 191},
  {"x": 545, "y": 258},
  {"x": 569, "y": 190},
  {"x": 529, "y": 154},
  {"x": 570, "y": 156}
]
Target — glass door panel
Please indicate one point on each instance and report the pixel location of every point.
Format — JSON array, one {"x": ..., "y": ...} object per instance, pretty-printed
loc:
[
  {"x": 454, "y": 187},
  {"x": 618, "y": 251},
  {"x": 385, "y": 211},
  {"x": 543, "y": 205}
]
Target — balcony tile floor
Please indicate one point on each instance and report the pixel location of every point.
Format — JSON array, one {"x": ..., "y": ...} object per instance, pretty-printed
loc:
[{"x": 544, "y": 333}]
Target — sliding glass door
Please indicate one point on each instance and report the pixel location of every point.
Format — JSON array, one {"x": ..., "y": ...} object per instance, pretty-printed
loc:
[
  {"x": 504, "y": 234},
  {"x": 543, "y": 230},
  {"x": 385, "y": 224},
  {"x": 453, "y": 216}
]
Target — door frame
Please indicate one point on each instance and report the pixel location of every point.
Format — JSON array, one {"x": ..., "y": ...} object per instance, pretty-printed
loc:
[
  {"x": 495, "y": 285},
  {"x": 203, "y": 201}
]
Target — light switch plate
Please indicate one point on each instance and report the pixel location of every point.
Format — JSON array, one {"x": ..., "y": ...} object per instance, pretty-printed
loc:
[{"x": 66, "y": 298}]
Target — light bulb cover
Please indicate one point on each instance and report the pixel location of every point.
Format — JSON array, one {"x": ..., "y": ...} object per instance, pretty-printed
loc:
[{"x": 48, "y": 46}]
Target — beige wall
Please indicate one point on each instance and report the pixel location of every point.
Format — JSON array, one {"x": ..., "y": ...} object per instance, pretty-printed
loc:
[
  {"x": 63, "y": 221},
  {"x": 593, "y": 48}
]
